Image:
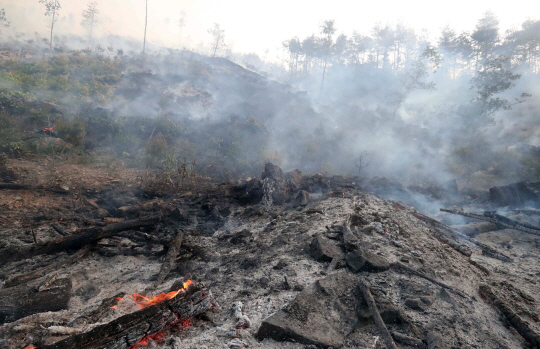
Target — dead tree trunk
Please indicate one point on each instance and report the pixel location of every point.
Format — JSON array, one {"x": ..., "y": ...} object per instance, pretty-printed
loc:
[
  {"x": 129, "y": 329},
  {"x": 74, "y": 241},
  {"x": 521, "y": 326},
  {"x": 499, "y": 220},
  {"x": 486, "y": 250},
  {"x": 400, "y": 267},
  {"x": 21, "y": 301},
  {"x": 364, "y": 289},
  {"x": 24, "y": 278},
  {"x": 168, "y": 264}
]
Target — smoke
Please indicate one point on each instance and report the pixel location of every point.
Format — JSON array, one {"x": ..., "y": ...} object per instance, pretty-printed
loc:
[{"x": 406, "y": 112}]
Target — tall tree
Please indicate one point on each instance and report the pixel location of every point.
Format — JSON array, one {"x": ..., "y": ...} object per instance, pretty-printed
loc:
[
  {"x": 360, "y": 45},
  {"x": 294, "y": 46},
  {"x": 145, "y": 25},
  {"x": 384, "y": 39},
  {"x": 485, "y": 37},
  {"x": 524, "y": 45},
  {"x": 218, "y": 39},
  {"x": 3, "y": 20},
  {"x": 494, "y": 79},
  {"x": 340, "y": 48},
  {"x": 310, "y": 47},
  {"x": 414, "y": 78},
  {"x": 51, "y": 9},
  {"x": 328, "y": 29},
  {"x": 90, "y": 16}
]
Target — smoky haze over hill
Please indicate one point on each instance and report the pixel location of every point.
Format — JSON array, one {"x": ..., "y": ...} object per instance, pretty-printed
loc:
[{"x": 417, "y": 107}]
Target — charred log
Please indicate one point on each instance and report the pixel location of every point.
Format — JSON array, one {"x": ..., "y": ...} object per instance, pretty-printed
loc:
[
  {"x": 500, "y": 220},
  {"x": 486, "y": 250},
  {"x": 74, "y": 241},
  {"x": 521, "y": 326},
  {"x": 127, "y": 330},
  {"x": 170, "y": 259},
  {"x": 21, "y": 301},
  {"x": 24, "y": 278},
  {"x": 400, "y": 267},
  {"x": 364, "y": 289}
]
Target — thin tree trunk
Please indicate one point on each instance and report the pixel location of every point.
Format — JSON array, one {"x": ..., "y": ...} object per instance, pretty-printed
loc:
[
  {"x": 324, "y": 71},
  {"x": 145, "y": 24},
  {"x": 52, "y": 27},
  {"x": 91, "y": 29}
]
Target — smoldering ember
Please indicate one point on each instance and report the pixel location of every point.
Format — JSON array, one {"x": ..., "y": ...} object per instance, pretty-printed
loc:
[{"x": 161, "y": 187}]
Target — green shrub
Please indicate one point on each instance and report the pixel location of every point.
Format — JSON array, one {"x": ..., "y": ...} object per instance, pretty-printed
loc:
[
  {"x": 155, "y": 149},
  {"x": 71, "y": 131}
]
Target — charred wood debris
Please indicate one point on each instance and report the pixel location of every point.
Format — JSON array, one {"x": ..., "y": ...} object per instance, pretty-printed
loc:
[{"x": 313, "y": 261}]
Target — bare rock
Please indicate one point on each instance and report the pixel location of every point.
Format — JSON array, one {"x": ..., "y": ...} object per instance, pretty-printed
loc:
[
  {"x": 435, "y": 341},
  {"x": 295, "y": 179},
  {"x": 323, "y": 250},
  {"x": 416, "y": 304},
  {"x": 249, "y": 192},
  {"x": 362, "y": 260},
  {"x": 323, "y": 314},
  {"x": 302, "y": 199},
  {"x": 242, "y": 237}
]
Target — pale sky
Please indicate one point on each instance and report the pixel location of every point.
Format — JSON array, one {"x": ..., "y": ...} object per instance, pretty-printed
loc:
[{"x": 255, "y": 26}]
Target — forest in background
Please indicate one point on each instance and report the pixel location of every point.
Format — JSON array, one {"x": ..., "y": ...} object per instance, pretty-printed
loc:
[{"x": 386, "y": 103}]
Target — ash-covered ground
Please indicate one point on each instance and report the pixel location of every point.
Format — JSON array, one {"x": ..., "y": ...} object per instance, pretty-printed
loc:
[{"x": 264, "y": 256}]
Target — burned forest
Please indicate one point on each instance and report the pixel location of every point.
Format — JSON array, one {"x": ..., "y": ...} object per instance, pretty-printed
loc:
[{"x": 163, "y": 186}]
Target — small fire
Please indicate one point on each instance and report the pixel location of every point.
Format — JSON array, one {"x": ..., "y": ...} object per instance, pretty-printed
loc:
[
  {"x": 30, "y": 347},
  {"x": 118, "y": 299},
  {"x": 143, "y": 302},
  {"x": 48, "y": 129}
]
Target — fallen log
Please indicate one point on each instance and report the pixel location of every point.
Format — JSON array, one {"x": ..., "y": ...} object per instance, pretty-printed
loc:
[
  {"x": 407, "y": 340},
  {"x": 507, "y": 222},
  {"x": 24, "y": 300},
  {"x": 503, "y": 219},
  {"x": 486, "y": 250},
  {"x": 521, "y": 326},
  {"x": 170, "y": 258},
  {"x": 364, "y": 289},
  {"x": 73, "y": 241},
  {"x": 444, "y": 234},
  {"x": 59, "y": 230},
  {"x": 400, "y": 267},
  {"x": 13, "y": 186},
  {"x": 129, "y": 329},
  {"x": 35, "y": 274}
]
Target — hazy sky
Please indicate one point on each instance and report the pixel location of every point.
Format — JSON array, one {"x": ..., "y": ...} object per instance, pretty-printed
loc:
[{"x": 255, "y": 26}]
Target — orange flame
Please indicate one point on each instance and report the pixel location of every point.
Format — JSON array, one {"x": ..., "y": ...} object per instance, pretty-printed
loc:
[
  {"x": 30, "y": 347},
  {"x": 51, "y": 130},
  {"x": 143, "y": 302}
]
